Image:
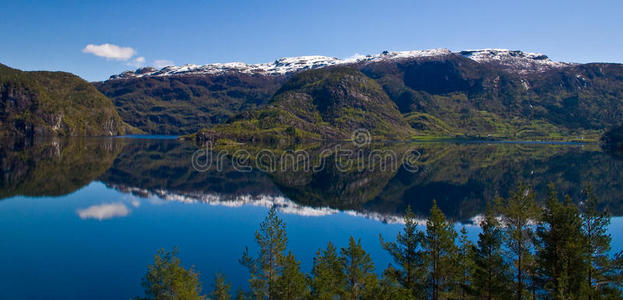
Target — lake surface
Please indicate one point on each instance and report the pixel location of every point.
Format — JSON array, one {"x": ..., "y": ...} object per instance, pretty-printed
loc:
[{"x": 83, "y": 218}]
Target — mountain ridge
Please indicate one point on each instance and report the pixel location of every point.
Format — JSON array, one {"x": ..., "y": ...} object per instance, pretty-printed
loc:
[
  {"x": 513, "y": 59},
  {"x": 491, "y": 93}
]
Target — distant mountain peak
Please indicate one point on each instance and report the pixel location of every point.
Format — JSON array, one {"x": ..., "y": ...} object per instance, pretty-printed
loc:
[{"x": 512, "y": 60}]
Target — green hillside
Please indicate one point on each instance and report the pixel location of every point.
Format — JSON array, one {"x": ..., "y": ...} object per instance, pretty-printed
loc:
[
  {"x": 185, "y": 104},
  {"x": 329, "y": 104},
  {"x": 455, "y": 95},
  {"x": 54, "y": 104}
]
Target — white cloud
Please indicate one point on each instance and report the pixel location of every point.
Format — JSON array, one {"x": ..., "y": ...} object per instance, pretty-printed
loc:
[
  {"x": 104, "y": 211},
  {"x": 161, "y": 63},
  {"x": 137, "y": 62},
  {"x": 110, "y": 51}
]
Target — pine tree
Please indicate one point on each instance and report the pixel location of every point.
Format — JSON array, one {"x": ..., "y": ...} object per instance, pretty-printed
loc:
[
  {"x": 221, "y": 288},
  {"x": 168, "y": 279},
  {"x": 464, "y": 264},
  {"x": 531, "y": 274},
  {"x": 600, "y": 268},
  {"x": 560, "y": 258},
  {"x": 292, "y": 284},
  {"x": 265, "y": 268},
  {"x": 439, "y": 253},
  {"x": 615, "y": 276},
  {"x": 359, "y": 271},
  {"x": 519, "y": 212},
  {"x": 240, "y": 295},
  {"x": 407, "y": 256},
  {"x": 389, "y": 288},
  {"x": 327, "y": 274},
  {"x": 491, "y": 273}
]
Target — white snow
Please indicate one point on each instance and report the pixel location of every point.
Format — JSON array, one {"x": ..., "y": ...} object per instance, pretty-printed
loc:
[
  {"x": 280, "y": 66},
  {"x": 512, "y": 60}
]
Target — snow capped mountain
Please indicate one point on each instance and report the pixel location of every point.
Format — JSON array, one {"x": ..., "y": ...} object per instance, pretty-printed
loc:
[{"x": 512, "y": 60}]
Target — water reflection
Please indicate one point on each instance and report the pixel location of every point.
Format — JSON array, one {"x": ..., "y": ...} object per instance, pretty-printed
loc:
[
  {"x": 462, "y": 177},
  {"x": 122, "y": 199},
  {"x": 104, "y": 211},
  {"x": 53, "y": 167}
]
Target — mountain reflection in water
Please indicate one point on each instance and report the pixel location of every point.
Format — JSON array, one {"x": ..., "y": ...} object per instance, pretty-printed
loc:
[{"x": 461, "y": 177}]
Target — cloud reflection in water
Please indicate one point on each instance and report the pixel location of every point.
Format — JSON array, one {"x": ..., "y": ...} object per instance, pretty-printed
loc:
[{"x": 104, "y": 211}]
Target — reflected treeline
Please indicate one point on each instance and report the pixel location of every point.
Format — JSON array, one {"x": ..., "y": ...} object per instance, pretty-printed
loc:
[
  {"x": 461, "y": 177},
  {"x": 146, "y": 167},
  {"x": 53, "y": 167},
  {"x": 341, "y": 176}
]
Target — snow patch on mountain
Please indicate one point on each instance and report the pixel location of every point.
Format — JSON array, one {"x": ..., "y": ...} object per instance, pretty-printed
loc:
[
  {"x": 512, "y": 60},
  {"x": 279, "y": 67}
]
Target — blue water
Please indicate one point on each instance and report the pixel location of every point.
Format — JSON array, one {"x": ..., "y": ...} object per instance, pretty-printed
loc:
[
  {"x": 44, "y": 241},
  {"x": 122, "y": 199}
]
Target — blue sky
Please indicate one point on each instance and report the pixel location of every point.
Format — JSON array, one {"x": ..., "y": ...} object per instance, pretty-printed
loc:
[{"x": 51, "y": 35}]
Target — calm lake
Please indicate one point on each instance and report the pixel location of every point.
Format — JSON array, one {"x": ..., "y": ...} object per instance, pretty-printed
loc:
[{"x": 83, "y": 218}]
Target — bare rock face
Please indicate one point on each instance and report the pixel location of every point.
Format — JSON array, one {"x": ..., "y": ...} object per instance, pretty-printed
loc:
[{"x": 14, "y": 100}]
